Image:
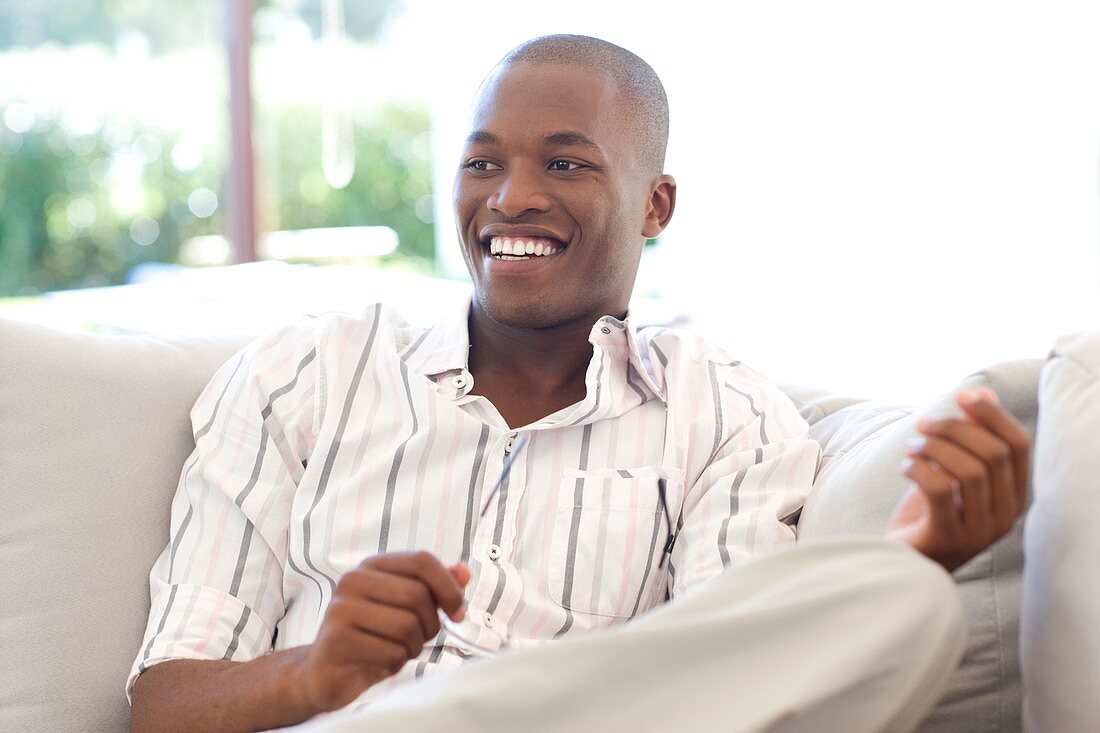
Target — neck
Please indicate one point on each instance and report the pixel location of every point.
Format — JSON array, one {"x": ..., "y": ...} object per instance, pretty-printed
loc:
[{"x": 547, "y": 360}]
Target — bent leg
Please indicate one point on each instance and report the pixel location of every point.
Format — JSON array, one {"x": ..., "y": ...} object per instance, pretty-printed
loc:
[{"x": 845, "y": 635}]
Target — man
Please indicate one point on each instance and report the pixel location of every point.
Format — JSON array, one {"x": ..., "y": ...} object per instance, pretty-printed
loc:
[{"x": 369, "y": 504}]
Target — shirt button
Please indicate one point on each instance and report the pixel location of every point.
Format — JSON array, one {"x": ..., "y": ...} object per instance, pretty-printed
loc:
[
  {"x": 488, "y": 620},
  {"x": 605, "y": 329},
  {"x": 508, "y": 445},
  {"x": 459, "y": 381},
  {"x": 493, "y": 551}
]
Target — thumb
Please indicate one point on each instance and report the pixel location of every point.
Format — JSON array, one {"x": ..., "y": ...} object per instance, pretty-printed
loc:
[{"x": 461, "y": 573}]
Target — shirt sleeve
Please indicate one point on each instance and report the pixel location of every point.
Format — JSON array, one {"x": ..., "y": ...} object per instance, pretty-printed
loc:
[
  {"x": 216, "y": 588},
  {"x": 757, "y": 478}
]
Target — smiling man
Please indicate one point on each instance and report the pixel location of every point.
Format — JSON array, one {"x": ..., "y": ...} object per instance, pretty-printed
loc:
[{"x": 598, "y": 514}]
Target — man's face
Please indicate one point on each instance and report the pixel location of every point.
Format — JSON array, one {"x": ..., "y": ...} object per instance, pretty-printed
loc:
[{"x": 549, "y": 164}]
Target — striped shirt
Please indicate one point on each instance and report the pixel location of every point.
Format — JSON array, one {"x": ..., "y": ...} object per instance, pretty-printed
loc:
[{"x": 346, "y": 435}]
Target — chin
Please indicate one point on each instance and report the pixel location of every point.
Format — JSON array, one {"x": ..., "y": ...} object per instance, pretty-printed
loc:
[{"x": 532, "y": 314}]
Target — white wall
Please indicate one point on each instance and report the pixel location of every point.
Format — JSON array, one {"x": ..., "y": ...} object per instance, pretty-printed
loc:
[{"x": 878, "y": 198}]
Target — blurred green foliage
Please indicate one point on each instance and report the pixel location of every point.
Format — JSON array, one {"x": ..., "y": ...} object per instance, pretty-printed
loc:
[
  {"x": 70, "y": 206},
  {"x": 63, "y": 222},
  {"x": 82, "y": 209},
  {"x": 391, "y": 185},
  {"x": 166, "y": 24}
]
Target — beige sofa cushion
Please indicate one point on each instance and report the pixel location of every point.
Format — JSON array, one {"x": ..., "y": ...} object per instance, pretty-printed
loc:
[
  {"x": 94, "y": 430},
  {"x": 1060, "y": 615},
  {"x": 857, "y": 487}
]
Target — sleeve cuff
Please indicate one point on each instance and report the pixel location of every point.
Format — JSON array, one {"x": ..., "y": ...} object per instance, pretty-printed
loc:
[{"x": 199, "y": 622}]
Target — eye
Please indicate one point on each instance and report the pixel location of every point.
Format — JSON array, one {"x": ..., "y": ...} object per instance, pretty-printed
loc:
[
  {"x": 564, "y": 165},
  {"x": 482, "y": 165}
]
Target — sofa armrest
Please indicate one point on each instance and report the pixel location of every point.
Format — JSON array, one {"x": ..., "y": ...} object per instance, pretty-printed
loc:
[{"x": 1060, "y": 607}]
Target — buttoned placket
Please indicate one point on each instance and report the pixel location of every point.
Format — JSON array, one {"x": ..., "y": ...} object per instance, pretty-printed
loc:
[{"x": 493, "y": 540}]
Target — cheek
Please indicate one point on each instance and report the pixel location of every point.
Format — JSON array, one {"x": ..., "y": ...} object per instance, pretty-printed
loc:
[
  {"x": 596, "y": 210},
  {"x": 613, "y": 222},
  {"x": 464, "y": 201}
]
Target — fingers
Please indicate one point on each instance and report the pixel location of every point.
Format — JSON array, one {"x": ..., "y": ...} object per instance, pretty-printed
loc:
[
  {"x": 983, "y": 463},
  {"x": 461, "y": 572},
  {"x": 382, "y": 613},
  {"x": 398, "y": 625},
  {"x": 941, "y": 491},
  {"x": 426, "y": 568},
  {"x": 375, "y": 650},
  {"x": 371, "y": 584},
  {"x": 986, "y": 409},
  {"x": 973, "y": 471},
  {"x": 973, "y": 479}
]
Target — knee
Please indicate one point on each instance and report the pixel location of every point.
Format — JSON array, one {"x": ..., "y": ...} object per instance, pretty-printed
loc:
[
  {"x": 921, "y": 590},
  {"x": 892, "y": 576}
]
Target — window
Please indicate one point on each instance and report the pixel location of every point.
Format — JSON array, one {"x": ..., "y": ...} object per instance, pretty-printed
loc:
[
  {"x": 874, "y": 199},
  {"x": 112, "y": 138}
]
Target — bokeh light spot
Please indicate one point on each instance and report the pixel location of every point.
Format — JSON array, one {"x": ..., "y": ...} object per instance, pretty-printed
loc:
[
  {"x": 202, "y": 202},
  {"x": 144, "y": 230},
  {"x": 19, "y": 118},
  {"x": 425, "y": 209},
  {"x": 187, "y": 156},
  {"x": 81, "y": 213}
]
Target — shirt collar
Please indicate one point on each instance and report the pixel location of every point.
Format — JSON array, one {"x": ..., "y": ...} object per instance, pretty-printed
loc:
[
  {"x": 445, "y": 347},
  {"x": 442, "y": 347}
]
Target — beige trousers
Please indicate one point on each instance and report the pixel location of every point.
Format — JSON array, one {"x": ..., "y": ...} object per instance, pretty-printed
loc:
[{"x": 845, "y": 635}]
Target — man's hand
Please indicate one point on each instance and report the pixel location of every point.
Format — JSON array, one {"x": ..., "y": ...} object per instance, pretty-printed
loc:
[
  {"x": 970, "y": 481},
  {"x": 381, "y": 615}
]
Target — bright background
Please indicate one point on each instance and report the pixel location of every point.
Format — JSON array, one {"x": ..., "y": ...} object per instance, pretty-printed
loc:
[{"x": 876, "y": 198}]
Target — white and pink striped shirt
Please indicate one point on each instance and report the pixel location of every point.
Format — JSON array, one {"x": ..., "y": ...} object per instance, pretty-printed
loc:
[{"x": 341, "y": 436}]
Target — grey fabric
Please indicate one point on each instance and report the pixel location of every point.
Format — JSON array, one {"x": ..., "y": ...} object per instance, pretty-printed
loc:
[
  {"x": 857, "y": 487},
  {"x": 94, "y": 430}
]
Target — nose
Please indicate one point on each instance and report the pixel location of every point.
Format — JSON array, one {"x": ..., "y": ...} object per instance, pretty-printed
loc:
[{"x": 518, "y": 192}]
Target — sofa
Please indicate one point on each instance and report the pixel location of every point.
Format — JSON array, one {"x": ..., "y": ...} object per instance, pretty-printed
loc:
[{"x": 95, "y": 428}]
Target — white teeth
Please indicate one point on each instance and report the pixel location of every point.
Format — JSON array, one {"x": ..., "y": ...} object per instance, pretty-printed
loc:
[{"x": 510, "y": 248}]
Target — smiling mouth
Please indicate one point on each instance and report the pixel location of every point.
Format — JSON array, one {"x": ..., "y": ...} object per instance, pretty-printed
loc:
[{"x": 523, "y": 248}]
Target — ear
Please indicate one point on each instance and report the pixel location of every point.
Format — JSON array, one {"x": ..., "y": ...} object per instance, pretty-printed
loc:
[{"x": 659, "y": 207}]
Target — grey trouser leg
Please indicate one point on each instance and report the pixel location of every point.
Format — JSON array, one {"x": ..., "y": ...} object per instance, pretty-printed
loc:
[{"x": 850, "y": 635}]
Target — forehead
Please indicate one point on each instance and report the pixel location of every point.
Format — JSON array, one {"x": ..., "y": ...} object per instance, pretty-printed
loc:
[{"x": 533, "y": 100}]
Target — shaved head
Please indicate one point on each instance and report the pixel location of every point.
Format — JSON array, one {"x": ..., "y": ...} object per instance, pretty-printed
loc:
[{"x": 642, "y": 104}]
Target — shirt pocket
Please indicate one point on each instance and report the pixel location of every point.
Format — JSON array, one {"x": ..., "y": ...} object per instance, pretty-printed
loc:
[{"x": 609, "y": 532}]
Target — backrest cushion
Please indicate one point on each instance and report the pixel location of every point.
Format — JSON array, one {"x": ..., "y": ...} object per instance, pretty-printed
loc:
[
  {"x": 94, "y": 430},
  {"x": 856, "y": 489},
  {"x": 1060, "y": 611}
]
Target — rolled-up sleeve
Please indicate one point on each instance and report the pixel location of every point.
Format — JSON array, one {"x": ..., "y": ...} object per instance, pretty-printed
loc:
[
  {"x": 216, "y": 588},
  {"x": 757, "y": 478}
]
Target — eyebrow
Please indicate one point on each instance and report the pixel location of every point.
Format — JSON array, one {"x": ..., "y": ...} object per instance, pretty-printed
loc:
[
  {"x": 571, "y": 138},
  {"x": 480, "y": 136},
  {"x": 558, "y": 138}
]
